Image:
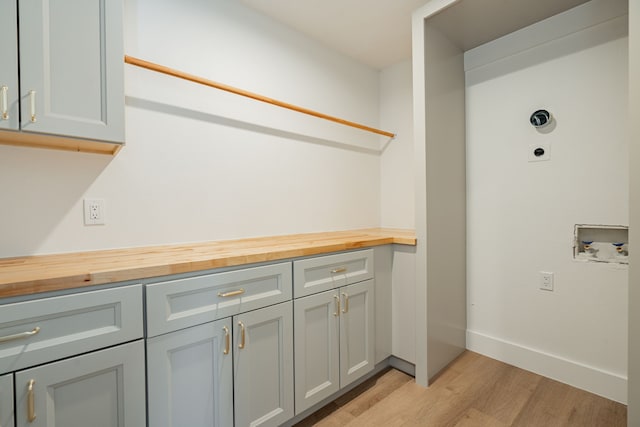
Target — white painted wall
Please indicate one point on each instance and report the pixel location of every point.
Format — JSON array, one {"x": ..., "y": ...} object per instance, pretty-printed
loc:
[
  {"x": 397, "y": 196},
  {"x": 521, "y": 215},
  {"x": 201, "y": 164},
  {"x": 396, "y": 162}
]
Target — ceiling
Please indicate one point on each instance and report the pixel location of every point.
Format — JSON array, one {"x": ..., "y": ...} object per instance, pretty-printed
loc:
[
  {"x": 374, "y": 32},
  {"x": 378, "y": 32}
]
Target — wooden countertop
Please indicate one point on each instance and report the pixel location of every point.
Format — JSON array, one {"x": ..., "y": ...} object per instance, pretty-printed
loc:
[{"x": 43, "y": 273}]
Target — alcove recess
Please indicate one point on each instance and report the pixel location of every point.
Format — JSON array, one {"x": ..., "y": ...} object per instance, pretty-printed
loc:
[{"x": 601, "y": 243}]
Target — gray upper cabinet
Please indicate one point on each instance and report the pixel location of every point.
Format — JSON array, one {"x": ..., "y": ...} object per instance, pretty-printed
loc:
[
  {"x": 6, "y": 401},
  {"x": 8, "y": 65},
  {"x": 71, "y": 68}
]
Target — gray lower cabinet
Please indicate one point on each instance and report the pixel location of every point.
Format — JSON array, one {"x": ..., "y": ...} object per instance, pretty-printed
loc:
[
  {"x": 190, "y": 380},
  {"x": 334, "y": 341},
  {"x": 263, "y": 366},
  {"x": 240, "y": 368},
  {"x": 70, "y": 73},
  {"x": 220, "y": 349},
  {"x": 105, "y": 388},
  {"x": 6, "y": 401}
]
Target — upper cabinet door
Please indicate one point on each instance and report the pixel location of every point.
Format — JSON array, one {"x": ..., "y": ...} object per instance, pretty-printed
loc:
[
  {"x": 9, "y": 118},
  {"x": 71, "y": 68}
]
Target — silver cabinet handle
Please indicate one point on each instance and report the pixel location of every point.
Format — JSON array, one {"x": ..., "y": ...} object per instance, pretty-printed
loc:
[
  {"x": 31, "y": 405},
  {"x": 21, "y": 335},
  {"x": 336, "y": 299},
  {"x": 338, "y": 270},
  {"x": 226, "y": 340},
  {"x": 231, "y": 293},
  {"x": 32, "y": 99},
  {"x": 242, "y": 337},
  {"x": 4, "y": 90},
  {"x": 346, "y": 303}
]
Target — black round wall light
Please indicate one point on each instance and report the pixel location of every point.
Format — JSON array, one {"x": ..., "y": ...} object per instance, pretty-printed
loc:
[{"x": 540, "y": 118}]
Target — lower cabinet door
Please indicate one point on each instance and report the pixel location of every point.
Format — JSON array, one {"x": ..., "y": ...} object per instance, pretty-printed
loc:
[
  {"x": 263, "y": 366},
  {"x": 190, "y": 377},
  {"x": 6, "y": 401},
  {"x": 317, "y": 326},
  {"x": 100, "y": 389},
  {"x": 357, "y": 331}
]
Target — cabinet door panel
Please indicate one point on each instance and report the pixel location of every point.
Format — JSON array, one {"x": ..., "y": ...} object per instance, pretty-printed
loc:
[
  {"x": 71, "y": 57},
  {"x": 316, "y": 328},
  {"x": 357, "y": 335},
  {"x": 190, "y": 377},
  {"x": 263, "y": 369},
  {"x": 8, "y": 65},
  {"x": 101, "y": 389},
  {"x": 6, "y": 401}
]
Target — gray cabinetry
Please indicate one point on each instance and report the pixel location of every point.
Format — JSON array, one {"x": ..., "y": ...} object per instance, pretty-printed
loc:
[
  {"x": 334, "y": 341},
  {"x": 177, "y": 304},
  {"x": 313, "y": 275},
  {"x": 263, "y": 366},
  {"x": 101, "y": 389},
  {"x": 8, "y": 66},
  {"x": 6, "y": 401},
  {"x": 53, "y": 385},
  {"x": 334, "y": 330},
  {"x": 357, "y": 331},
  {"x": 190, "y": 381},
  {"x": 46, "y": 329},
  {"x": 220, "y": 349},
  {"x": 71, "y": 69}
]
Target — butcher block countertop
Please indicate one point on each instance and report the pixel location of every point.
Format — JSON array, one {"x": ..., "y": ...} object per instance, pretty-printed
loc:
[{"x": 43, "y": 273}]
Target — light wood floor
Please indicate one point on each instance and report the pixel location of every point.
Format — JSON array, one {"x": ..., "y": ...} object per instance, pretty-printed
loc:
[{"x": 474, "y": 391}]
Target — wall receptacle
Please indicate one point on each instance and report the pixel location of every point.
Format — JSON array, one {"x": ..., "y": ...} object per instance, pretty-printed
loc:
[
  {"x": 94, "y": 212},
  {"x": 546, "y": 281}
]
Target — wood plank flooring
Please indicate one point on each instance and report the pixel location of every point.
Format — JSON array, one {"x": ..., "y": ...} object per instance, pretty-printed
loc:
[{"x": 474, "y": 391}]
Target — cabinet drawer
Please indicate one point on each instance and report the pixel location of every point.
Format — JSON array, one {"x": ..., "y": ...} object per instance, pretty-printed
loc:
[
  {"x": 178, "y": 304},
  {"x": 332, "y": 271},
  {"x": 47, "y": 329}
]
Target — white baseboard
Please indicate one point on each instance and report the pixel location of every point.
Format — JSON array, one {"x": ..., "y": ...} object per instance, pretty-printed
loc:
[{"x": 594, "y": 380}]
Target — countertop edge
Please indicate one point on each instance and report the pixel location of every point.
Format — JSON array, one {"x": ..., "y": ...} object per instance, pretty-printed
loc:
[{"x": 23, "y": 276}]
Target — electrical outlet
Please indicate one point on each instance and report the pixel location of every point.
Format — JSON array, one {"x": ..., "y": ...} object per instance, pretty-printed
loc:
[
  {"x": 94, "y": 212},
  {"x": 546, "y": 281}
]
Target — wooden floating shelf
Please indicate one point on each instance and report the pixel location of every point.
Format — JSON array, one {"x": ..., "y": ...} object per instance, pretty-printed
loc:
[{"x": 206, "y": 82}]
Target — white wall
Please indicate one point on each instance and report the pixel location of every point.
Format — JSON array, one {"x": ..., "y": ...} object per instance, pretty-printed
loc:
[
  {"x": 201, "y": 164},
  {"x": 521, "y": 215},
  {"x": 397, "y": 199}
]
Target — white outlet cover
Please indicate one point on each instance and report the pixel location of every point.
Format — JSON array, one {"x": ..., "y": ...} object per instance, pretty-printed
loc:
[
  {"x": 546, "y": 281},
  {"x": 531, "y": 156},
  {"x": 94, "y": 211}
]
